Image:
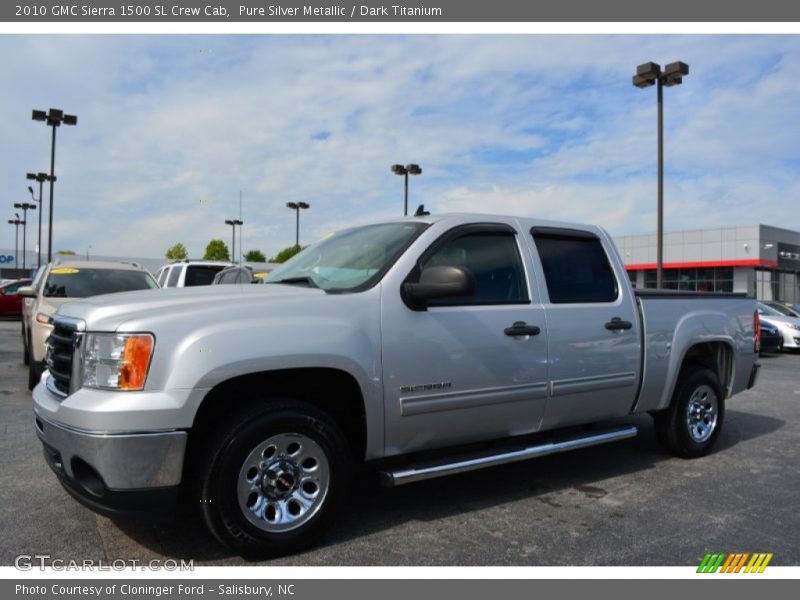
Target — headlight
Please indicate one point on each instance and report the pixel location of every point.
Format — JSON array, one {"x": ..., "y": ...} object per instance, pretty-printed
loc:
[
  {"x": 116, "y": 361},
  {"x": 793, "y": 326}
]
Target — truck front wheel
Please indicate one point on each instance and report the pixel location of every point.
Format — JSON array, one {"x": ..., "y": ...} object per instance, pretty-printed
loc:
[
  {"x": 274, "y": 479},
  {"x": 690, "y": 426}
]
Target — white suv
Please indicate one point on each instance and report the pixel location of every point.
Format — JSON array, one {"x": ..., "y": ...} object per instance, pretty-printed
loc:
[{"x": 185, "y": 273}]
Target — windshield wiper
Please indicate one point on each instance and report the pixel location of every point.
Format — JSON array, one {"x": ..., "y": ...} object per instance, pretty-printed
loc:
[{"x": 293, "y": 280}]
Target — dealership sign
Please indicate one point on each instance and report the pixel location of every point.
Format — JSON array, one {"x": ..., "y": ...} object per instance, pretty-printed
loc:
[{"x": 6, "y": 259}]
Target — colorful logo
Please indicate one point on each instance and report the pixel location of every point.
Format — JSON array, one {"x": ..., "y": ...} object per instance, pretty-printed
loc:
[{"x": 737, "y": 562}]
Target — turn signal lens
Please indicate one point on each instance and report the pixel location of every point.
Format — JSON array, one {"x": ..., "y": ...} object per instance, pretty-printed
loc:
[
  {"x": 135, "y": 361},
  {"x": 116, "y": 361},
  {"x": 43, "y": 318}
]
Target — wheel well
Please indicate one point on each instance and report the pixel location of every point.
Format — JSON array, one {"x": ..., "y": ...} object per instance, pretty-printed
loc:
[
  {"x": 716, "y": 356},
  {"x": 333, "y": 391}
]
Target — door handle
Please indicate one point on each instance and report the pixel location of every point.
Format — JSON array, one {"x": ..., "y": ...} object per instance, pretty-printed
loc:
[
  {"x": 521, "y": 328},
  {"x": 616, "y": 324}
]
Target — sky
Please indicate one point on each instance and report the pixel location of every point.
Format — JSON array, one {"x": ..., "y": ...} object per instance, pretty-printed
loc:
[{"x": 171, "y": 128}]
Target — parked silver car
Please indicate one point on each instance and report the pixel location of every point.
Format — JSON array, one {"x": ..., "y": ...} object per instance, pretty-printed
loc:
[{"x": 789, "y": 327}]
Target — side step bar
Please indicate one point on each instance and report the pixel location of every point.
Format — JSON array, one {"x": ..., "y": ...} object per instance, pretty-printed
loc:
[{"x": 402, "y": 476}]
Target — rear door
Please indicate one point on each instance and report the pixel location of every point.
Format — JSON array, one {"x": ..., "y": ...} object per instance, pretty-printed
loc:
[
  {"x": 594, "y": 345},
  {"x": 457, "y": 372}
]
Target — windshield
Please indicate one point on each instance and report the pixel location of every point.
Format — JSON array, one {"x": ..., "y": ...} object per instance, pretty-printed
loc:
[
  {"x": 68, "y": 282},
  {"x": 763, "y": 309},
  {"x": 784, "y": 310},
  {"x": 350, "y": 259},
  {"x": 201, "y": 274}
]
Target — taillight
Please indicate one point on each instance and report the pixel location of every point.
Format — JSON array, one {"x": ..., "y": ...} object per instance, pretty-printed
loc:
[{"x": 757, "y": 332}]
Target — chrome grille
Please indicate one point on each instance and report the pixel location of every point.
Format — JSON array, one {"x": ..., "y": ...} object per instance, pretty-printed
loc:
[{"x": 61, "y": 347}]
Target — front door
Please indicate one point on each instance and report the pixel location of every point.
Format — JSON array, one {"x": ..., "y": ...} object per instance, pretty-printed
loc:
[{"x": 460, "y": 371}]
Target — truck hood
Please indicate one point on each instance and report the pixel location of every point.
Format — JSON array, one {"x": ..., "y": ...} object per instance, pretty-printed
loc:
[{"x": 130, "y": 311}]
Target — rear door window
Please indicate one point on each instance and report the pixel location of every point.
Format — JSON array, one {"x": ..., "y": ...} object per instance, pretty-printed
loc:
[{"x": 576, "y": 267}]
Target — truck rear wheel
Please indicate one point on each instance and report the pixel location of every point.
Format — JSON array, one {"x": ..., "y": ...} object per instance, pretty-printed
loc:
[
  {"x": 690, "y": 426},
  {"x": 274, "y": 479}
]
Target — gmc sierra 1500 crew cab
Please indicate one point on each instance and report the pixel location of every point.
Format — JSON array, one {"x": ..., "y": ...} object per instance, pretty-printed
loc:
[{"x": 486, "y": 339}]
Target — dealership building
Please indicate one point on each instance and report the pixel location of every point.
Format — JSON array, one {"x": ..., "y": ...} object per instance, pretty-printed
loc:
[{"x": 759, "y": 260}]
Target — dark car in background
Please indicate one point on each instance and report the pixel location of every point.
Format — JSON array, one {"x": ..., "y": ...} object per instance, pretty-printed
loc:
[{"x": 10, "y": 301}]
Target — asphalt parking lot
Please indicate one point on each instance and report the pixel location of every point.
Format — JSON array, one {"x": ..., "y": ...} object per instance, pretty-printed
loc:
[{"x": 625, "y": 503}]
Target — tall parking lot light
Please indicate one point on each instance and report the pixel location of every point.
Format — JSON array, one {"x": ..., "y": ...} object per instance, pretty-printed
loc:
[
  {"x": 25, "y": 207},
  {"x": 233, "y": 223},
  {"x": 648, "y": 74},
  {"x": 16, "y": 223},
  {"x": 41, "y": 178},
  {"x": 54, "y": 118},
  {"x": 297, "y": 207},
  {"x": 410, "y": 169}
]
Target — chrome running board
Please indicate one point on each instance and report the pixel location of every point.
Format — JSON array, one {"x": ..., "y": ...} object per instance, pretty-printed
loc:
[{"x": 402, "y": 476}]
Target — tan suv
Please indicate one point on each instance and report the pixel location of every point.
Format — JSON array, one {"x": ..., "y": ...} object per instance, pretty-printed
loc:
[{"x": 61, "y": 282}]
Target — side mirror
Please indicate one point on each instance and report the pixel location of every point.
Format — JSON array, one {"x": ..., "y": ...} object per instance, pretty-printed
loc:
[
  {"x": 27, "y": 291},
  {"x": 438, "y": 282}
]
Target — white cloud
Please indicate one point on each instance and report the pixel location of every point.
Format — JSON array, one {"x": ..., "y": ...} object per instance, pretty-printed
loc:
[{"x": 172, "y": 127}]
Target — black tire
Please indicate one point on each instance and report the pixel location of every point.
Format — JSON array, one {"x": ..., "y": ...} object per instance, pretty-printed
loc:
[
  {"x": 687, "y": 435},
  {"x": 26, "y": 345},
  {"x": 223, "y": 465},
  {"x": 35, "y": 370}
]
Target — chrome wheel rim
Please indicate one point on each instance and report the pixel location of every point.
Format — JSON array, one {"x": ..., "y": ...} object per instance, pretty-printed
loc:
[
  {"x": 283, "y": 482},
  {"x": 702, "y": 413}
]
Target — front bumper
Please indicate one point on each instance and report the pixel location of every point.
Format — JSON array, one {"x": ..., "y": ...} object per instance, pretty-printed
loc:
[{"x": 115, "y": 474}]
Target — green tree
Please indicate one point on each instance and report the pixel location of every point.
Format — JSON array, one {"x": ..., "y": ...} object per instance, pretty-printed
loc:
[
  {"x": 66, "y": 252},
  {"x": 217, "y": 250},
  {"x": 285, "y": 254},
  {"x": 177, "y": 252},
  {"x": 255, "y": 256}
]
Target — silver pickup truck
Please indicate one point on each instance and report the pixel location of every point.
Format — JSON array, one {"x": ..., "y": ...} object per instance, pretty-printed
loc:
[{"x": 421, "y": 347}]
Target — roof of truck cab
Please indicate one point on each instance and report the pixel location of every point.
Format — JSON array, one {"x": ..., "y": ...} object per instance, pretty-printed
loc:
[{"x": 479, "y": 217}]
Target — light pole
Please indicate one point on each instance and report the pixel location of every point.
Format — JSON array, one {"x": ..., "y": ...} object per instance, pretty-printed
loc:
[
  {"x": 41, "y": 178},
  {"x": 297, "y": 206},
  {"x": 25, "y": 206},
  {"x": 16, "y": 223},
  {"x": 89, "y": 247},
  {"x": 411, "y": 169},
  {"x": 233, "y": 223},
  {"x": 54, "y": 118},
  {"x": 648, "y": 74}
]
